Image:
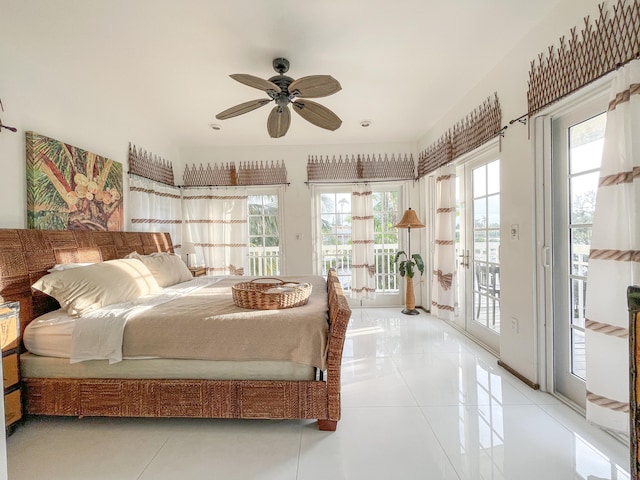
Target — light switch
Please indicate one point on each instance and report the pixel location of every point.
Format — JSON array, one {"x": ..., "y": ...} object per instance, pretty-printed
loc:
[{"x": 515, "y": 231}]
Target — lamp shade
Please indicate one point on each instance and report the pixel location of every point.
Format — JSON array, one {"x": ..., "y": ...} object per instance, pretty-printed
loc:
[
  {"x": 188, "y": 248},
  {"x": 409, "y": 220}
]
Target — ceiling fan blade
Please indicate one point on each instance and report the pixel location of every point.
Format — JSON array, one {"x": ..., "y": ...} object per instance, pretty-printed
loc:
[
  {"x": 315, "y": 86},
  {"x": 278, "y": 122},
  {"x": 256, "y": 82},
  {"x": 317, "y": 114},
  {"x": 242, "y": 108}
]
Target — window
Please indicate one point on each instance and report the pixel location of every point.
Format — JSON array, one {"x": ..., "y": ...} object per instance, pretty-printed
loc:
[
  {"x": 264, "y": 234},
  {"x": 335, "y": 220}
]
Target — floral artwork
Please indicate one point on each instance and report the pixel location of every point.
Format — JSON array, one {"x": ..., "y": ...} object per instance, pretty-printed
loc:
[{"x": 71, "y": 189}]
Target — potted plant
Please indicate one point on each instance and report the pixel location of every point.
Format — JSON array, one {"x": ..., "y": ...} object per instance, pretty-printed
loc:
[
  {"x": 408, "y": 265},
  {"x": 407, "y": 268}
]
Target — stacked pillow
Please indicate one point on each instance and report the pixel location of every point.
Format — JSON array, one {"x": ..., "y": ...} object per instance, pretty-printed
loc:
[
  {"x": 167, "y": 269},
  {"x": 81, "y": 288}
]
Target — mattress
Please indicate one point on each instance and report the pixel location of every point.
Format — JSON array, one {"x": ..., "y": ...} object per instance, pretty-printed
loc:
[
  {"x": 50, "y": 335},
  {"x": 37, "y": 366}
]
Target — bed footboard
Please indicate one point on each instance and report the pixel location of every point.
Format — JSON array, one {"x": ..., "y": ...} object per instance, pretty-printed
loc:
[{"x": 319, "y": 399}]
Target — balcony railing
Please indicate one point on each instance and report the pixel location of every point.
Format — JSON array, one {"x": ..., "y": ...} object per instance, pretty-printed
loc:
[{"x": 266, "y": 262}]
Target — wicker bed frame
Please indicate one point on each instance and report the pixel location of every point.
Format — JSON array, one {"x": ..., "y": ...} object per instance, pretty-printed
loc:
[{"x": 26, "y": 255}]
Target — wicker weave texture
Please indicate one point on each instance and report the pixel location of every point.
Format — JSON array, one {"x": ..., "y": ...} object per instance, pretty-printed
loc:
[
  {"x": 177, "y": 398},
  {"x": 254, "y": 294}
]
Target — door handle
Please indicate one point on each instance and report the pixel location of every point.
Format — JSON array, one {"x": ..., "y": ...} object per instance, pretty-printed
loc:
[{"x": 465, "y": 259}]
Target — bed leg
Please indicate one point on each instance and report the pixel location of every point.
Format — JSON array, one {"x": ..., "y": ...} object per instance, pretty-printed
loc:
[{"x": 327, "y": 425}]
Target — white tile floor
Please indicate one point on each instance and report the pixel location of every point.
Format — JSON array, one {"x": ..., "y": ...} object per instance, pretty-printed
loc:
[{"x": 420, "y": 401}]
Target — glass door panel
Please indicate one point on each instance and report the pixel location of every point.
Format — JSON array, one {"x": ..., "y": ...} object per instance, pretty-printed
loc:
[
  {"x": 578, "y": 140},
  {"x": 478, "y": 249},
  {"x": 334, "y": 205}
]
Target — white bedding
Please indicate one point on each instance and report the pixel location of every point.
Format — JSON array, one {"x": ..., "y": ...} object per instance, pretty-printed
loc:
[
  {"x": 50, "y": 334},
  {"x": 49, "y": 340},
  {"x": 57, "y": 334},
  {"x": 191, "y": 320},
  {"x": 98, "y": 335}
]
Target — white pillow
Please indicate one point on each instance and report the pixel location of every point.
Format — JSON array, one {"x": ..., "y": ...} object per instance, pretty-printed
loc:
[
  {"x": 67, "y": 266},
  {"x": 80, "y": 290},
  {"x": 167, "y": 269}
]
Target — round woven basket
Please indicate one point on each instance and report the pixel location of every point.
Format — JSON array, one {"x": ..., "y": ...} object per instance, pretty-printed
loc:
[{"x": 270, "y": 294}]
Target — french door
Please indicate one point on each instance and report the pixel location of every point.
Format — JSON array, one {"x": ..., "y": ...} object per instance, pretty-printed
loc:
[
  {"x": 477, "y": 245},
  {"x": 577, "y": 142},
  {"x": 333, "y": 238}
]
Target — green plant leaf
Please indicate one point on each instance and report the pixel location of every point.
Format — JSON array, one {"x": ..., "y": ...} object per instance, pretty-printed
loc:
[
  {"x": 398, "y": 254},
  {"x": 410, "y": 271},
  {"x": 418, "y": 261}
]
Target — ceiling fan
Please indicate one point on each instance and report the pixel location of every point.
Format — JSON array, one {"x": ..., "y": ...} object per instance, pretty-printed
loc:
[{"x": 286, "y": 91}]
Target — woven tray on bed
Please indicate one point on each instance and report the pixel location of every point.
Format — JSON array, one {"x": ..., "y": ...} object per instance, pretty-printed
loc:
[{"x": 270, "y": 294}]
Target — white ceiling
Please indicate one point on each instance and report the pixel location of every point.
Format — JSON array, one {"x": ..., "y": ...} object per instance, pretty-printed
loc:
[{"x": 401, "y": 64}]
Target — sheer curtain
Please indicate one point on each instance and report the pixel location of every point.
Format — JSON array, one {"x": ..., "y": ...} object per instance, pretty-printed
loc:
[
  {"x": 155, "y": 207},
  {"x": 614, "y": 260},
  {"x": 363, "y": 280},
  {"x": 443, "y": 291},
  {"x": 215, "y": 220}
]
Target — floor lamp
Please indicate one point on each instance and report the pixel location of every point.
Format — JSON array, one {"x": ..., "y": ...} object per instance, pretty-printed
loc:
[{"x": 409, "y": 220}]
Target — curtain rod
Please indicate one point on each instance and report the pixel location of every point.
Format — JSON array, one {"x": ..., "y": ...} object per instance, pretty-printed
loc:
[
  {"x": 241, "y": 185},
  {"x": 361, "y": 180},
  {"x": 523, "y": 118}
]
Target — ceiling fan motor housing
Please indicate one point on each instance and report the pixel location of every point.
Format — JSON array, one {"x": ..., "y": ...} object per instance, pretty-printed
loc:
[{"x": 281, "y": 65}]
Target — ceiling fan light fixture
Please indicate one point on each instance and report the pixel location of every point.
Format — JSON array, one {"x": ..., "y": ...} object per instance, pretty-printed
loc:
[
  {"x": 284, "y": 92},
  {"x": 365, "y": 123},
  {"x": 215, "y": 126}
]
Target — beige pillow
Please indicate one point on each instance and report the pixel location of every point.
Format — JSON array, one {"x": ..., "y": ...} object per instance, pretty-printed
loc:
[
  {"x": 80, "y": 290},
  {"x": 167, "y": 269}
]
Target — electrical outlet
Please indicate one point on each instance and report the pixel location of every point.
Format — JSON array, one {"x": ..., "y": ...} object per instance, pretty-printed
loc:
[{"x": 514, "y": 324}]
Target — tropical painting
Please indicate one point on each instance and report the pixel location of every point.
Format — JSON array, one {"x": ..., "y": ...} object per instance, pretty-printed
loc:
[{"x": 69, "y": 188}]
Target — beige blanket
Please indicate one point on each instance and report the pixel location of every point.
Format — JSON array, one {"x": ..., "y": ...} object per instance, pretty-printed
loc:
[{"x": 207, "y": 325}]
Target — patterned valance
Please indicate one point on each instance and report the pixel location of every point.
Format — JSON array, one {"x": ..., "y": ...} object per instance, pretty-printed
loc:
[
  {"x": 360, "y": 168},
  {"x": 596, "y": 50},
  {"x": 477, "y": 128},
  {"x": 150, "y": 166},
  {"x": 226, "y": 174}
]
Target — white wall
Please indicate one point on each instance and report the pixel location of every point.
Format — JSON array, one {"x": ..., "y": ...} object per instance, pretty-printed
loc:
[
  {"x": 32, "y": 101},
  {"x": 518, "y": 257}
]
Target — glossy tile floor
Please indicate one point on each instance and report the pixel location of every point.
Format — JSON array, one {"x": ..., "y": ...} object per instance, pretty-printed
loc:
[{"x": 420, "y": 401}]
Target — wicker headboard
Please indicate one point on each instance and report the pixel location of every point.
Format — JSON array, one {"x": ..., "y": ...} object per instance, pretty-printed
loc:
[{"x": 26, "y": 255}]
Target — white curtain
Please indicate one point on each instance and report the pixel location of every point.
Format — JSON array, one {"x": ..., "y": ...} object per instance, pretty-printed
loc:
[
  {"x": 443, "y": 289},
  {"x": 155, "y": 207},
  {"x": 215, "y": 220},
  {"x": 363, "y": 281},
  {"x": 614, "y": 260}
]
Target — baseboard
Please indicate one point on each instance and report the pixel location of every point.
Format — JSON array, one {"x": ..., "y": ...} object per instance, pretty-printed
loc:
[{"x": 519, "y": 376}]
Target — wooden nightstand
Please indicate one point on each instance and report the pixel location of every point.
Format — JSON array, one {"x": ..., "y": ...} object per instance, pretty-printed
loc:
[
  {"x": 10, "y": 341},
  {"x": 198, "y": 271}
]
